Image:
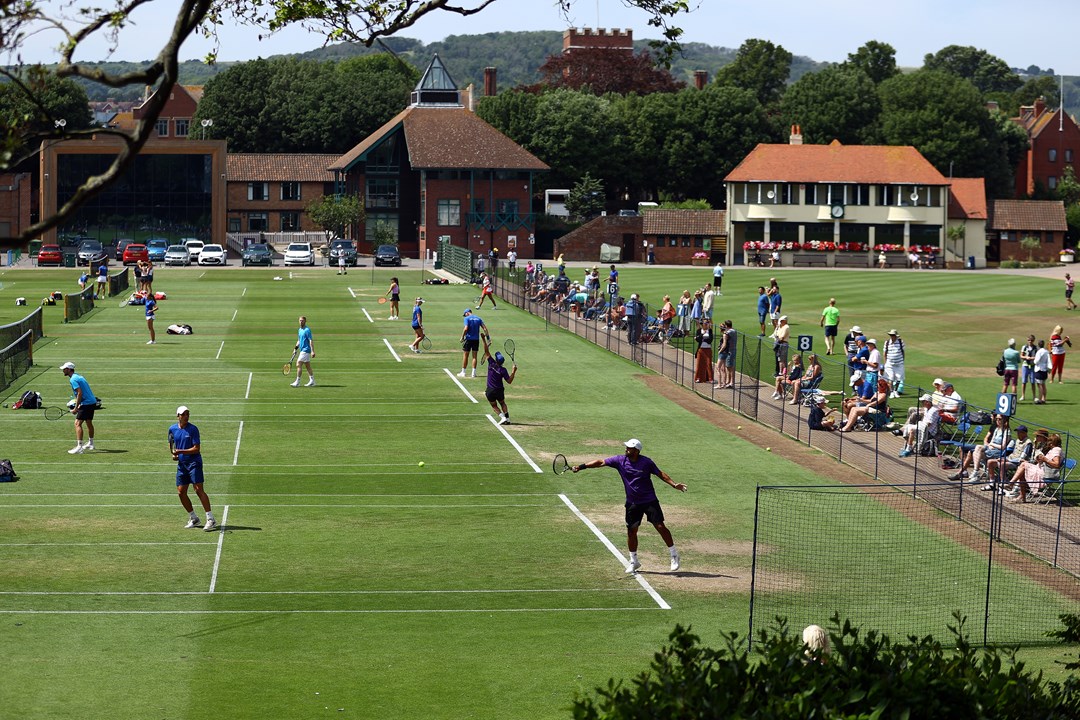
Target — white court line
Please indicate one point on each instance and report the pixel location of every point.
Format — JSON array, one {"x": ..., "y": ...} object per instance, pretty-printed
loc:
[
  {"x": 367, "y": 315},
  {"x": 323, "y": 612},
  {"x": 234, "y": 314},
  {"x": 343, "y": 506},
  {"x": 202, "y": 275},
  {"x": 521, "y": 450},
  {"x": 247, "y": 392},
  {"x": 171, "y": 593},
  {"x": 614, "y": 551},
  {"x": 351, "y": 292},
  {"x": 454, "y": 378},
  {"x": 239, "y": 434},
  {"x": 243, "y": 293},
  {"x": 220, "y": 540},
  {"x": 218, "y": 356},
  {"x": 391, "y": 349},
  {"x": 137, "y": 544}
]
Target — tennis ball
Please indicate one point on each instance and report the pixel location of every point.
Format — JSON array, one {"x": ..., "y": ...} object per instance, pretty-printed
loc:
[
  {"x": 768, "y": 449},
  {"x": 421, "y": 463},
  {"x": 740, "y": 427}
]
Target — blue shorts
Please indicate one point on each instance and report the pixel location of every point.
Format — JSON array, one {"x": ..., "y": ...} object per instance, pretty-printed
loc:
[
  {"x": 1027, "y": 374},
  {"x": 189, "y": 474},
  {"x": 761, "y": 317},
  {"x": 830, "y": 330}
]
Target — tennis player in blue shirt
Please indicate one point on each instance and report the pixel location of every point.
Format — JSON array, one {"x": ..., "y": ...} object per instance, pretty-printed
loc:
[
  {"x": 186, "y": 448},
  {"x": 636, "y": 472},
  {"x": 306, "y": 352},
  {"x": 474, "y": 331},
  {"x": 151, "y": 308},
  {"x": 83, "y": 406}
]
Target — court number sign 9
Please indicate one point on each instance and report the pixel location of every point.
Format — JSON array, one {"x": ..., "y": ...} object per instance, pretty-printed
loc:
[
  {"x": 806, "y": 343},
  {"x": 1006, "y": 404}
]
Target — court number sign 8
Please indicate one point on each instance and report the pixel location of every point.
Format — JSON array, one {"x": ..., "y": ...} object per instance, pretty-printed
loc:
[
  {"x": 1006, "y": 404},
  {"x": 806, "y": 343}
]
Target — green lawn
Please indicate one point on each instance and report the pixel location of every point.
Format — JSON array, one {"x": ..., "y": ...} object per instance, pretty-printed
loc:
[{"x": 347, "y": 575}]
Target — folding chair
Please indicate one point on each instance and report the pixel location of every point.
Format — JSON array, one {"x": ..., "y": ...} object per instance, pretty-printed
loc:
[
  {"x": 1052, "y": 491},
  {"x": 953, "y": 447},
  {"x": 808, "y": 393}
]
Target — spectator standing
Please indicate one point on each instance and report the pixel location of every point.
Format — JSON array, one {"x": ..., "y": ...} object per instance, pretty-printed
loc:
[
  {"x": 781, "y": 336},
  {"x": 1042, "y": 371},
  {"x": 851, "y": 344},
  {"x": 511, "y": 260},
  {"x": 776, "y": 301},
  {"x": 1027, "y": 368},
  {"x": 1058, "y": 341},
  {"x": 636, "y": 470},
  {"x": 633, "y": 317},
  {"x": 894, "y": 363},
  {"x": 762, "y": 308},
  {"x": 718, "y": 277},
  {"x": 830, "y": 320},
  {"x": 703, "y": 364},
  {"x": 873, "y": 362},
  {"x": 667, "y": 312},
  {"x": 1069, "y": 285},
  {"x": 707, "y": 302},
  {"x": 682, "y": 311},
  {"x": 1011, "y": 356},
  {"x": 696, "y": 309}
]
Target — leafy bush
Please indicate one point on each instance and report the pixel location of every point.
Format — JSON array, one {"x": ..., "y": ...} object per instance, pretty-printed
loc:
[{"x": 865, "y": 676}]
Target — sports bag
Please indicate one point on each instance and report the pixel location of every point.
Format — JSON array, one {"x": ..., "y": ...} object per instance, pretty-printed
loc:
[
  {"x": 7, "y": 473},
  {"x": 179, "y": 329},
  {"x": 30, "y": 400},
  {"x": 1000, "y": 369}
]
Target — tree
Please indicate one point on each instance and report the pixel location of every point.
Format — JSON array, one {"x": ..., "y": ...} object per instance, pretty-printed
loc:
[
  {"x": 876, "y": 59},
  {"x": 1031, "y": 244},
  {"x": 864, "y": 676},
  {"x": 985, "y": 71},
  {"x": 1045, "y": 87},
  {"x": 601, "y": 71},
  {"x": 586, "y": 198},
  {"x": 365, "y": 22},
  {"x": 761, "y": 67},
  {"x": 837, "y": 103},
  {"x": 56, "y": 105},
  {"x": 573, "y": 135},
  {"x": 335, "y": 213}
]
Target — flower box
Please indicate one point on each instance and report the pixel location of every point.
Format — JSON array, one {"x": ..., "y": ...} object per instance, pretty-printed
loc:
[
  {"x": 1068, "y": 258},
  {"x": 699, "y": 261}
]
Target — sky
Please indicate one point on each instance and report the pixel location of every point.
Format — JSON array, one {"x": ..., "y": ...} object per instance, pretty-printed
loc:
[{"x": 823, "y": 30}]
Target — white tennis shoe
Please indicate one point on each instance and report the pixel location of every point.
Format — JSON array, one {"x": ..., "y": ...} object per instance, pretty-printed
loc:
[
  {"x": 310, "y": 383},
  {"x": 211, "y": 525},
  {"x": 77, "y": 450},
  {"x": 674, "y": 560},
  {"x": 193, "y": 523},
  {"x": 295, "y": 383},
  {"x": 633, "y": 567}
]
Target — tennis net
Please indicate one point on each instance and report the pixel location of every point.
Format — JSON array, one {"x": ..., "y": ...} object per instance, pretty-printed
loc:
[
  {"x": 33, "y": 322},
  {"x": 16, "y": 359},
  {"x": 119, "y": 281},
  {"x": 78, "y": 304}
]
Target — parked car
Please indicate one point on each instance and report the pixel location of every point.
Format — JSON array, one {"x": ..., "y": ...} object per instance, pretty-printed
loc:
[
  {"x": 343, "y": 247},
  {"x": 628, "y": 213},
  {"x": 121, "y": 245},
  {"x": 156, "y": 249},
  {"x": 257, "y": 254},
  {"x": 299, "y": 254},
  {"x": 387, "y": 255},
  {"x": 212, "y": 255},
  {"x": 50, "y": 255},
  {"x": 177, "y": 255},
  {"x": 91, "y": 252},
  {"x": 193, "y": 245},
  {"x": 133, "y": 253}
]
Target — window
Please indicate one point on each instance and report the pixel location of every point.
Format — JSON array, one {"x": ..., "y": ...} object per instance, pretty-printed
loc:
[
  {"x": 234, "y": 224},
  {"x": 290, "y": 191},
  {"x": 1053, "y": 155},
  {"x": 381, "y": 229},
  {"x": 290, "y": 221},
  {"x": 449, "y": 213},
  {"x": 769, "y": 194},
  {"x": 1051, "y": 182},
  {"x": 1068, "y": 156},
  {"x": 181, "y": 125},
  {"x": 162, "y": 127},
  {"x": 258, "y": 191},
  {"x": 257, "y": 222},
  {"x": 382, "y": 192},
  {"x": 506, "y": 207}
]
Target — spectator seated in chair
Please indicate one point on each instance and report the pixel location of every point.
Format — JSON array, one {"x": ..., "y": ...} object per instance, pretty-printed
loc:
[
  {"x": 995, "y": 445},
  {"x": 862, "y": 393},
  {"x": 819, "y": 419},
  {"x": 1032, "y": 476},
  {"x": 792, "y": 381},
  {"x": 878, "y": 404},
  {"x": 811, "y": 376},
  {"x": 924, "y": 429},
  {"x": 1022, "y": 450},
  {"x": 951, "y": 404}
]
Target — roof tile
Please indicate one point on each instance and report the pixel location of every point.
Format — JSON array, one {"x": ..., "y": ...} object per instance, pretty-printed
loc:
[
  {"x": 1020, "y": 215},
  {"x": 708, "y": 223},
  {"x": 836, "y": 163},
  {"x": 279, "y": 167},
  {"x": 967, "y": 199}
]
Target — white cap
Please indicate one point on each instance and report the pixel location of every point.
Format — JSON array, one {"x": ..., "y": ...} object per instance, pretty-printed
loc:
[
  {"x": 633, "y": 443},
  {"x": 182, "y": 409},
  {"x": 856, "y": 376},
  {"x": 926, "y": 398},
  {"x": 782, "y": 317},
  {"x": 871, "y": 341},
  {"x": 634, "y": 297},
  {"x": 68, "y": 366},
  {"x": 938, "y": 381}
]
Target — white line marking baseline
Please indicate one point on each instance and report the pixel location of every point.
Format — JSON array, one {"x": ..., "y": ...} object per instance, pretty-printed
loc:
[
  {"x": 521, "y": 450},
  {"x": 170, "y": 593},
  {"x": 614, "y": 551},
  {"x": 463, "y": 389},
  {"x": 323, "y": 612},
  {"x": 389, "y": 347},
  {"x": 239, "y": 434},
  {"x": 220, "y": 540}
]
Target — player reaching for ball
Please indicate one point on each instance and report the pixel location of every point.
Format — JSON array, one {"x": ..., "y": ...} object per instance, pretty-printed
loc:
[{"x": 636, "y": 470}]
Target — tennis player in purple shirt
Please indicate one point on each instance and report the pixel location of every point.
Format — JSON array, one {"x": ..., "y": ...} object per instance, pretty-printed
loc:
[{"x": 636, "y": 472}]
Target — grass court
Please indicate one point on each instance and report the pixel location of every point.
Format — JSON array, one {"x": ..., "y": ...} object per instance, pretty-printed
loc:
[{"x": 350, "y": 580}]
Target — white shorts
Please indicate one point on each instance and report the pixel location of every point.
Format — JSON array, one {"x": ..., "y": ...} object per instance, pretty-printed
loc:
[
  {"x": 774, "y": 315},
  {"x": 303, "y": 357}
]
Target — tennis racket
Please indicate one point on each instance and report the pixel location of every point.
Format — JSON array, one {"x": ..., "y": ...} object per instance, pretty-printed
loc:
[
  {"x": 287, "y": 367},
  {"x": 510, "y": 349},
  {"x": 55, "y": 413},
  {"x": 172, "y": 447},
  {"x": 425, "y": 342},
  {"x": 382, "y": 301},
  {"x": 478, "y": 299},
  {"x": 559, "y": 465}
]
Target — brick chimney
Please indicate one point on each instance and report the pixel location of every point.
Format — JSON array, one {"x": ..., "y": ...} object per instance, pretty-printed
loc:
[
  {"x": 491, "y": 84},
  {"x": 701, "y": 78},
  {"x": 796, "y": 135},
  {"x": 1040, "y": 106}
]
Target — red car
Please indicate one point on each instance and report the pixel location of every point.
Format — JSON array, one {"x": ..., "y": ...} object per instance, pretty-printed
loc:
[
  {"x": 134, "y": 253},
  {"x": 50, "y": 255}
]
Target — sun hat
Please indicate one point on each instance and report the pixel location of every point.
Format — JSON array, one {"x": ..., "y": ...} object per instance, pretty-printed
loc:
[
  {"x": 871, "y": 341},
  {"x": 893, "y": 332},
  {"x": 633, "y": 443},
  {"x": 856, "y": 329},
  {"x": 782, "y": 317},
  {"x": 938, "y": 381}
]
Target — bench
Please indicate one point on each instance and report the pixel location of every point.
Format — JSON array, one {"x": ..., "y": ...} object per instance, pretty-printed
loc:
[
  {"x": 809, "y": 259},
  {"x": 857, "y": 260},
  {"x": 895, "y": 260}
]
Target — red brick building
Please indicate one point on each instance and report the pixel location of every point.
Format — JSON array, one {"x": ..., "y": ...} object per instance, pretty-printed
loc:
[
  {"x": 174, "y": 122},
  {"x": 267, "y": 192},
  {"x": 1055, "y": 140},
  {"x": 589, "y": 39},
  {"x": 436, "y": 170},
  {"x": 1013, "y": 220},
  {"x": 15, "y": 203}
]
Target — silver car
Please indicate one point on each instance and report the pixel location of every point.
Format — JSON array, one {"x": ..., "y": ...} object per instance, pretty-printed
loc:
[{"x": 177, "y": 255}]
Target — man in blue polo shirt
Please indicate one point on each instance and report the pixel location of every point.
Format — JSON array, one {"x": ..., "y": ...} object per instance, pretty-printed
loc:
[
  {"x": 471, "y": 334},
  {"x": 186, "y": 448},
  {"x": 83, "y": 407},
  {"x": 636, "y": 472}
]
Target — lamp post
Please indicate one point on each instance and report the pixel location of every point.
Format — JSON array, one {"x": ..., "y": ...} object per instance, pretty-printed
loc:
[{"x": 206, "y": 123}]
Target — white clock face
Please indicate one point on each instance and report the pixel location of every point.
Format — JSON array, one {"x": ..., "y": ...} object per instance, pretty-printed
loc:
[{"x": 837, "y": 211}]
